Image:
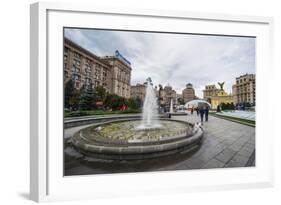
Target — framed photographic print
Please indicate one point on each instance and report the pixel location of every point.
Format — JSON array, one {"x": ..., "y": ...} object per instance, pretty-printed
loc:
[{"x": 127, "y": 102}]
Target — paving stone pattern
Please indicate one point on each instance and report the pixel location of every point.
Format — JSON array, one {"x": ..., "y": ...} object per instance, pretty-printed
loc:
[{"x": 225, "y": 144}]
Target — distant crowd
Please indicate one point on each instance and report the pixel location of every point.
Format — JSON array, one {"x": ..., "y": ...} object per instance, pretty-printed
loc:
[{"x": 202, "y": 111}]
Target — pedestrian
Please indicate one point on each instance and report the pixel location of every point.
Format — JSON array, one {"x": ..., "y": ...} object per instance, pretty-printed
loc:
[
  {"x": 192, "y": 109},
  {"x": 197, "y": 111},
  {"x": 206, "y": 113},
  {"x": 201, "y": 111}
]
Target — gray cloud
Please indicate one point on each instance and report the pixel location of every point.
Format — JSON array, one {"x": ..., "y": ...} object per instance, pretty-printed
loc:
[{"x": 174, "y": 59}]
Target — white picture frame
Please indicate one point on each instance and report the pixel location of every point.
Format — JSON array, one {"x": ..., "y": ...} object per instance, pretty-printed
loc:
[{"x": 47, "y": 182}]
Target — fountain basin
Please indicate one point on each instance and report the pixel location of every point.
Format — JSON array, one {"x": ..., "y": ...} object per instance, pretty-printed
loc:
[{"x": 121, "y": 140}]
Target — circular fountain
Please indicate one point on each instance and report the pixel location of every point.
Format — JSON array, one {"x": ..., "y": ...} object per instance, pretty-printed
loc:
[{"x": 138, "y": 138}]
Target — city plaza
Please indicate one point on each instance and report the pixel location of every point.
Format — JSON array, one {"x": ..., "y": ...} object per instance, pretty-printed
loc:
[{"x": 226, "y": 142}]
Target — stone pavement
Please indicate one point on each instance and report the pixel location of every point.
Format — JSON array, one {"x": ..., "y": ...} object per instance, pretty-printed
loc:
[{"x": 225, "y": 144}]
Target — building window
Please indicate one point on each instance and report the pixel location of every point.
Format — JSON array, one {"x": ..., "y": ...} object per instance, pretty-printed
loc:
[
  {"x": 75, "y": 69},
  {"x": 77, "y": 55},
  {"x": 88, "y": 82},
  {"x": 76, "y": 62},
  {"x": 75, "y": 77},
  {"x": 88, "y": 70},
  {"x": 97, "y": 83},
  {"x": 89, "y": 61}
]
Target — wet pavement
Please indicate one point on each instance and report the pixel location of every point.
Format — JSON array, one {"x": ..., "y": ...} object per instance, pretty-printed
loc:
[{"x": 225, "y": 144}]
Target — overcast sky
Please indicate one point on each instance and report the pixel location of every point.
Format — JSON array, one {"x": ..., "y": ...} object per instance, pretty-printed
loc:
[{"x": 174, "y": 59}]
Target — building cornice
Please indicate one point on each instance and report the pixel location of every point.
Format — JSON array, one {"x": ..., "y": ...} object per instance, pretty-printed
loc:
[{"x": 87, "y": 52}]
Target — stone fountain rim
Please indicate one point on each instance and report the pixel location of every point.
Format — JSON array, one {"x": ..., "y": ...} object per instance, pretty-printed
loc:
[
  {"x": 150, "y": 142},
  {"x": 134, "y": 151}
]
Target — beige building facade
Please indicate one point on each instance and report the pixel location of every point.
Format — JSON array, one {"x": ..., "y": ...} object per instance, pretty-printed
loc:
[
  {"x": 86, "y": 68},
  {"x": 216, "y": 96},
  {"x": 221, "y": 97},
  {"x": 244, "y": 91},
  {"x": 166, "y": 95},
  {"x": 169, "y": 94},
  {"x": 138, "y": 91},
  {"x": 210, "y": 90},
  {"x": 121, "y": 76}
]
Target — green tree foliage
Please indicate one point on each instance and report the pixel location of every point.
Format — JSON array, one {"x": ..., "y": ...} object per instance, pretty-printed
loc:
[
  {"x": 139, "y": 102},
  {"x": 74, "y": 100},
  {"x": 181, "y": 101},
  {"x": 100, "y": 93},
  {"x": 108, "y": 101},
  {"x": 69, "y": 91},
  {"x": 232, "y": 106},
  {"x": 218, "y": 108},
  {"x": 247, "y": 104},
  {"x": 134, "y": 103},
  {"x": 87, "y": 100},
  {"x": 114, "y": 101},
  {"x": 227, "y": 106},
  {"x": 223, "y": 106}
]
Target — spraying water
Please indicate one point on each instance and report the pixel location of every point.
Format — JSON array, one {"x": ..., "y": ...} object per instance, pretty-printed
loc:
[
  {"x": 171, "y": 106},
  {"x": 150, "y": 109}
]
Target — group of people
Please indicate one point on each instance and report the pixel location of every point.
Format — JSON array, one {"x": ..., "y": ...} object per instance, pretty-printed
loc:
[{"x": 203, "y": 111}]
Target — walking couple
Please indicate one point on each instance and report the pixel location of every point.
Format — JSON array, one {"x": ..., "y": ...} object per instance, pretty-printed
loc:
[{"x": 204, "y": 111}]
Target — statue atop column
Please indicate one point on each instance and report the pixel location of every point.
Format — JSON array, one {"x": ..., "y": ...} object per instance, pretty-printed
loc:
[{"x": 221, "y": 85}]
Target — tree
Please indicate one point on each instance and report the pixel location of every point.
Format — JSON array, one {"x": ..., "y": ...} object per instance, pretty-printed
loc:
[
  {"x": 69, "y": 91},
  {"x": 232, "y": 106},
  {"x": 218, "y": 108},
  {"x": 223, "y": 106},
  {"x": 227, "y": 106},
  {"x": 134, "y": 103},
  {"x": 247, "y": 104},
  {"x": 181, "y": 101},
  {"x": 87, "y": 100},
  {"x": 74, "y": 100},
  {"x": 100, "y": 93},
  {"x": 114, "y": 101},
  {"x": 139, "y": 102}
]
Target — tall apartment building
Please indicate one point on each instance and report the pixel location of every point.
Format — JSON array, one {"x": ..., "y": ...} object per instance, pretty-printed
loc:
[
  {"x": 121, "y": 74},
  {"x": 188, "y": 93},
  {"x": 244, "y": 91},
  {"x": 84, "y": 67}
]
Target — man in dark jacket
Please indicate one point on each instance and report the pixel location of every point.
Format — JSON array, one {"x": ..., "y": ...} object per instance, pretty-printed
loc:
[
  {"x": 201, "y": 112},
  {"x": 206, "y": 113}
]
